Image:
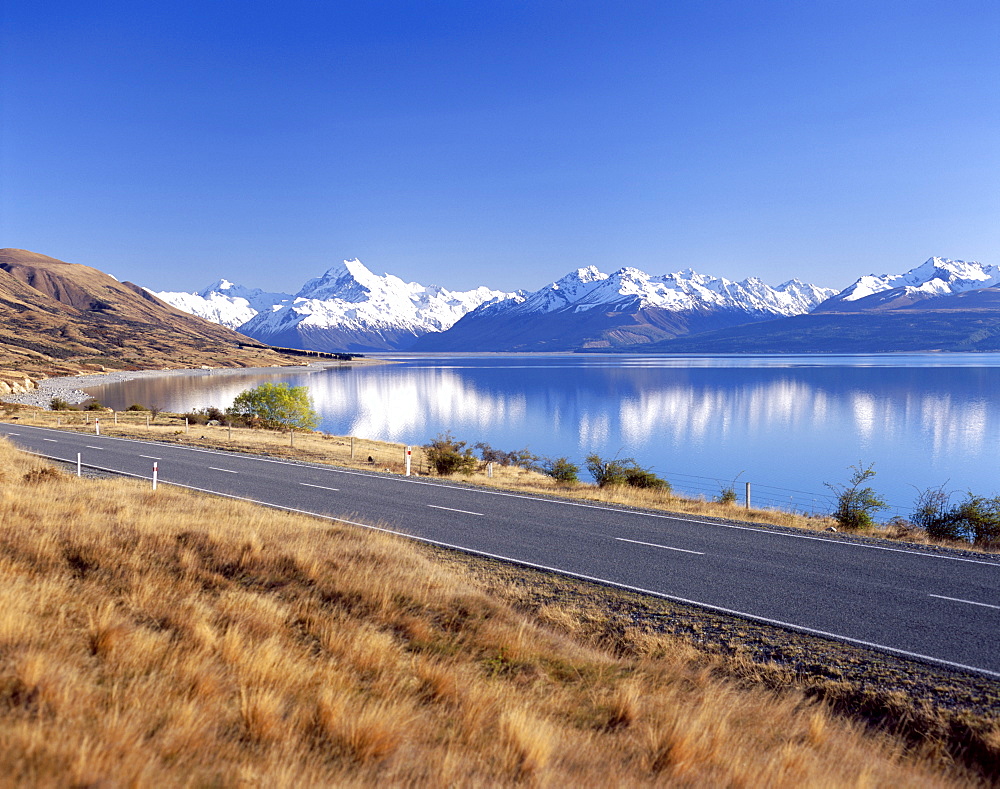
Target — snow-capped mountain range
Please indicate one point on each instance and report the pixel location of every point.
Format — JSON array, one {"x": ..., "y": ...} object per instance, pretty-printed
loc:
[
  {"x": 588, "y": 288},
  {"x": 931, "y": 279},
  {"x": 350, "y": 308},
  {"x": 226, "y": 303}
]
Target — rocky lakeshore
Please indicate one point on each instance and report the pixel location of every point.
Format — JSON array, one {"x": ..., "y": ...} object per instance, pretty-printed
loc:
[{"x": 72, "y": 388}]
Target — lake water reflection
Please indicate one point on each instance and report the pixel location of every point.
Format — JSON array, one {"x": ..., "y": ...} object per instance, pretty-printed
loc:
[{"x": 789, "y": 423}]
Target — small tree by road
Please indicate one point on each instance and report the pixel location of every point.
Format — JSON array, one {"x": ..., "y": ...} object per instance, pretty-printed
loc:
[
  {"x": 275, "y": 407},
  {"x": 856, "y": 502}
]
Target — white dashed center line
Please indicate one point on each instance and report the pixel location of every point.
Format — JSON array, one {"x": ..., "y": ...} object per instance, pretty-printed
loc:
[
  {"x": 149, "y": 457},
  {"x": 50, "y": 439},
  {"x": 228, "y": 471},
  {"x": 90, "y": 447},
  {"x": 967, "y": 602},
  {"x": 451, "y": 509},
  {"x": 321, "y": 487},
  {"x": 665, "y": 547}
]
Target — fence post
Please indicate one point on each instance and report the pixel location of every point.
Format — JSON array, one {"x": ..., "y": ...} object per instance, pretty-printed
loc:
[
  {"x": 409, "y": 452},
  {"x": 115, "y": 414},
  {"x": 186, "y": 426},
  {"x": 748, "y": 495},
  {"x": 147, "y": 420},
  {"x": 230, "y": 424},
  {"x": 352, "y": 447}
]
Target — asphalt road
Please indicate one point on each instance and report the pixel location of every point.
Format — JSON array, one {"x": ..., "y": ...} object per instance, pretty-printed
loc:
[{"x": 940, "y": 606}]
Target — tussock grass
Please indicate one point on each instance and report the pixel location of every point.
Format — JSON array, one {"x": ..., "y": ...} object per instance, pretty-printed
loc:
[{"x": 176, "y": 639}]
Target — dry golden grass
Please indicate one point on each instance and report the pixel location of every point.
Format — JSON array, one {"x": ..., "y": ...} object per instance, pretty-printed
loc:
[{"x": 169, "y": 638}]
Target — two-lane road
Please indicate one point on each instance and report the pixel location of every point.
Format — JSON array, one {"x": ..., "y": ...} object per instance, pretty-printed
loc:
[{"x": 933, "y": 605}]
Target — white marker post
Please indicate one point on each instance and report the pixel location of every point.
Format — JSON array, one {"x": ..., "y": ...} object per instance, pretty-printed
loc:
[
  {"x": 489, "y": 470},
  {"x": 186, "y": 425},
  {"x": 409, "y": 453},
  {"x": 748, "y": 495},
  {"x": 79, "y": 472},
  {"x": 155, "y": 469},
  {"x": 97, "y": 425}
]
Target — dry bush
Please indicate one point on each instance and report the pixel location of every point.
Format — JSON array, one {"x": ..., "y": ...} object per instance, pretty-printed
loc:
[{"x": 175, "y": 639}]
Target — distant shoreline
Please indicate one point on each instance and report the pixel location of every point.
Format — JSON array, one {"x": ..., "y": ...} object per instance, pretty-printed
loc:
[{"x": 71, "y": 388}]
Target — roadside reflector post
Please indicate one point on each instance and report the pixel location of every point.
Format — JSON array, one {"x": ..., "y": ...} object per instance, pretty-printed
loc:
[
  {"x": 155, "y": 470},
  {"x": 489, "y": 470},
  {"x": 58, "y": 421},
  {"x": 115, "y": 413},
  {"x": 748, "y": 495},
  {"x": 86, "y": 419},
  {"x": 352, "y": 447},
  {"x": 79, "y": 471},
  {"x": 409, "y": 458},
  {"x": 147, "y": 420},
  {"x": 186, "y": 425},
  {"x": 97, "y": 425}
]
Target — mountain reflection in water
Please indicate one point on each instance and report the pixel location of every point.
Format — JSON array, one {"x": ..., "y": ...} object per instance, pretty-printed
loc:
[{"x": 786, "y": 422}]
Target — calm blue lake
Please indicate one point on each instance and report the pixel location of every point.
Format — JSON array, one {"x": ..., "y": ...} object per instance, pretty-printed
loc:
[{"x": 787, "y": 424}]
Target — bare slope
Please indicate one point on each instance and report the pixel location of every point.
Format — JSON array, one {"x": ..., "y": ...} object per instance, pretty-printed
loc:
[{"x": 58, "y": 318}]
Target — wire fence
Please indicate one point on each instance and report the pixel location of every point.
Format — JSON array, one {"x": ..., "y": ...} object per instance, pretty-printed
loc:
[{"x": 764, "y": 496}]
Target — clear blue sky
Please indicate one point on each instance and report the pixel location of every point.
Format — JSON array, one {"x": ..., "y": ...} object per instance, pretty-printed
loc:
[{"x": 499, "y": 143}]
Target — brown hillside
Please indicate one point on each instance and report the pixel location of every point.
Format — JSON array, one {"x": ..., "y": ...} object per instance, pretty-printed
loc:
[{"x": 58, "y": 318}]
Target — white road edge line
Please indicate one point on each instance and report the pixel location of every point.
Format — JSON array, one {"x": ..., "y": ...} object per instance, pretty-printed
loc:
[
  {"x": 666, "y": 547},
  {"x": 321, "y": 487},
  {"x": 452, "y": 509},
  {"x": 228, "y": 471},
  {"x": 570, "y": 574},
  {"x": 969, "y": 602},
  {"x": 412, "y": 481}
]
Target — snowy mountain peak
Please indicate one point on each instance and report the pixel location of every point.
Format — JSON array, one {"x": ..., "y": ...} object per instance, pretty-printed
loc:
[{"x": 934, "y": 277}]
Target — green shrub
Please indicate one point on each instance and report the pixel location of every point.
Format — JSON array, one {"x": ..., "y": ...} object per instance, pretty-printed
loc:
[
  {"x": 856, "y": 504},
  {"x": 93, "y": 405},
  {"x": 931, "y": 512},
  {"x": 519, "y": 457},
  {"x": 202, "y": 416},
  {"x": 975, "y": 520},
  {"x": 727, "y": 492},
  {"x": 561, "y": 470},
  {"x": 448, "y": 456},
  {"x": 727, "y": 495},
  {"x": 623, "y": 472},
  {"x": 136, "y": 407},
  {"x": 59, "y": 404}
]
